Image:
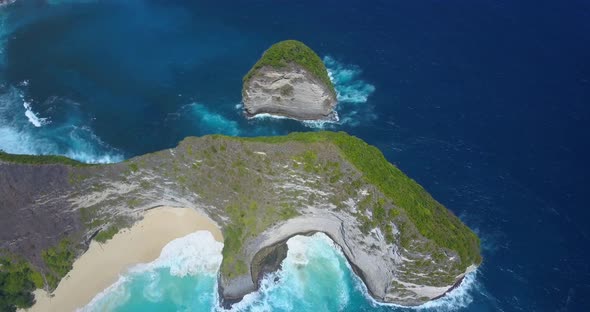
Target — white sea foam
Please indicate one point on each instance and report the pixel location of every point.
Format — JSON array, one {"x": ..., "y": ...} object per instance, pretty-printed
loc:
[
  {"x": 352, "y": 93},
  {"x": 308, "y": 258},
  {"x": 347, "y": 82},
  {"x": 311, "y": 272},
  {"x": 268, "y": 116},
  {"x": 33, "y": 118},
  {"x": 195, "y": 254},
  {"x": 30, "y": 134},
  {"x": 318, "y": 124},
  {"x": 116, "y": 295}
]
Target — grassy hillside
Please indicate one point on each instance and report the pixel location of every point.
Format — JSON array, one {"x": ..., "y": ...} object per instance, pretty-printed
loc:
[
  {"x": 431, "y": 218},
  {"x": 283, "y": 53}
]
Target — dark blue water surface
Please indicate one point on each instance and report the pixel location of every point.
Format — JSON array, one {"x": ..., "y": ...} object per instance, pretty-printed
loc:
[{"x": 484, "y": 103}]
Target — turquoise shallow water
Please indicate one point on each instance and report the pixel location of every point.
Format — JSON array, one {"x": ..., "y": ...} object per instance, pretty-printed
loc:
[
  {"x": 183, "y": 278},
  {"x": 315, "y": 276}
]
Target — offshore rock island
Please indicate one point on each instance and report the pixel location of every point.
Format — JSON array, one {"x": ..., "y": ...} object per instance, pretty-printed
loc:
[
  {"x": 289, "y": 80},
  {"x": 405, "y": 246}
]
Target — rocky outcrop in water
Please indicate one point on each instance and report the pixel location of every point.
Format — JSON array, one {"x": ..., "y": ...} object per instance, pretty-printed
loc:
[{"x": 289, "y": 80}]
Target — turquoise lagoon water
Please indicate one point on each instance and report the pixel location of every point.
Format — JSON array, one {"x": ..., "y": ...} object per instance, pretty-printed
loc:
[{"x": 315, "y": 276}]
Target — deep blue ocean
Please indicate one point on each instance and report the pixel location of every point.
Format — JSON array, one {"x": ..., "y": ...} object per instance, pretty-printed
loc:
[{"x": 485, "y": 103}]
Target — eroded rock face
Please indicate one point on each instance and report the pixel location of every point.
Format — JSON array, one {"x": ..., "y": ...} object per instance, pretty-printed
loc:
[
  {"x": 286, "y": 189},
  {"x": 375, "y": 261},
  {"x": 290, "y": 92}
]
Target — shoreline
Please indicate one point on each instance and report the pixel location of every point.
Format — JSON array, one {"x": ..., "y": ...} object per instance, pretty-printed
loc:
[
  {"x": 332, "y": 118},
  {"x": 102, "y": 264}
]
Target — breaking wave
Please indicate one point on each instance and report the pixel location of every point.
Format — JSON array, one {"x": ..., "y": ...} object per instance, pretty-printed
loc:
[
  {"x": 24, "y": 131},
  {"x": 183, "y": 278},
  {"x": 315, "y": 276},
  {"x": 350, "y": 88},
  {"x": 352, "y": 93}
]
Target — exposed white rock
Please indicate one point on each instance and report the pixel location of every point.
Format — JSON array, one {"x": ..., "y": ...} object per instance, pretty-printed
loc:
[
  {"x": 290, "y": 92},
  {"x": 376, "y": 261}
]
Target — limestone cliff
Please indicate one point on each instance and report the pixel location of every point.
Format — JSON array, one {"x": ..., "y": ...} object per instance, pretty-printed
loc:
[
  {"x": 289, "y": 80},
  {"x": 406, "y": 247}
]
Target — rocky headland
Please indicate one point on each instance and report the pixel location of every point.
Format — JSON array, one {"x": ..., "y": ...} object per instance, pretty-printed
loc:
[
  {"x": 407, "y": 247},
  {"x": 289, "y": 80}
]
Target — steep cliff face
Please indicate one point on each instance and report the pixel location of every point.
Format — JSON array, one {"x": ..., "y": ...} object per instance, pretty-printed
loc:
[
  {"x": 289, "y": 80},
  {"x": 291, "y": 92},
  {"x": 261, "y": 191}
]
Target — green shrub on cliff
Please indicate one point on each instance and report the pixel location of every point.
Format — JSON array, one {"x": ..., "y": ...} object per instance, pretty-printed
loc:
[
  {"x": 17, "y": 281},
  {"x": 431, "y": 218},
  {"x": 59, "y": 260},
  {"x": 283, "y": 53},
  {"x": 105, "y": 235}
]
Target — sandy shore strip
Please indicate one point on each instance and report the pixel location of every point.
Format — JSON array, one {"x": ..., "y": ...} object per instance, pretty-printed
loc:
[{"x": 102, "y": 264}]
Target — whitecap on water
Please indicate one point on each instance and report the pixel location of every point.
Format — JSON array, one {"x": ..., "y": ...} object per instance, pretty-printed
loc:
[
  {"x": 350, "y": 88},
  {"x": 28, "y": 133},
  {"x": 33, "y": 118},
  {"x": 352, "y": 93}
]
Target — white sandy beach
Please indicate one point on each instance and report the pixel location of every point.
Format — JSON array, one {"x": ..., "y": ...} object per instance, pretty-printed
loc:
[{"x": 102, "y": 264}]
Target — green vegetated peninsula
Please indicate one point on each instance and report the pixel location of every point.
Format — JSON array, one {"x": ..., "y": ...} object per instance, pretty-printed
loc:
[
  {"x": 289, "y": 80},
  {"x": 406, "y": 246}
]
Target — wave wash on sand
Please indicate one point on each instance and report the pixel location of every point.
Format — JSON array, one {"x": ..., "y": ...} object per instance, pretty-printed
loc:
[{"x": 103, "y": 264}]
